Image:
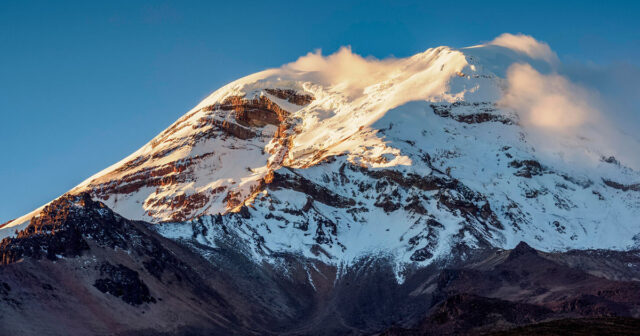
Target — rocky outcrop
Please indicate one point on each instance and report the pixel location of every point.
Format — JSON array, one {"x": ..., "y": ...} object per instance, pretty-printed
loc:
[
  {"x": 316, "y": 192},
  {"x": 162, "y": 175},
  {"x": 61, "y": 229},
  {"x": 183, "y": 205},
  {"x": 487, "y": 113},
  {"x": 620, "y": 186},
  {"x": 235, "y": 116},
  {"x": 232, "y": 129},
  {"x": 527, "y": 168},
  {"x": 292, "y": 96},
  {"x": 522, "y": 249},
  {"x": 124, "y": 283},
  {"x": 255, "y": 112},
  {"x": 451, "y": 194},
  {"x": 247, "y": 114}
]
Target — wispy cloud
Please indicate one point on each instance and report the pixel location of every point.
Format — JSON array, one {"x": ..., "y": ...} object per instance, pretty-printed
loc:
[
  {"x": 549, "y": 101},
  {"x": 527, "y": 45},
  {"x": 352, "y": 71},
  {"x": 574, "y": 112}
]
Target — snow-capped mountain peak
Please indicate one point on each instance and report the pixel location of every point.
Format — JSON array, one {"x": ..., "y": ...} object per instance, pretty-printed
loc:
[{"x": 341, "y": 157}]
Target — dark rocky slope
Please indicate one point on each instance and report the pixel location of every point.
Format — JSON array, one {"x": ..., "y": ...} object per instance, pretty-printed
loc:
[{"x": 79, "y": 268}]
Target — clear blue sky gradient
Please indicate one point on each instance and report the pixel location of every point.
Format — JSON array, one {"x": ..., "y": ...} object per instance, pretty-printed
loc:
[{"x": 85, "y": 83}]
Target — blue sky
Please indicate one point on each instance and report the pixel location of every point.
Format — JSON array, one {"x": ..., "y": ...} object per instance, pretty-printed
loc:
[{"x": 85, "y": 83}]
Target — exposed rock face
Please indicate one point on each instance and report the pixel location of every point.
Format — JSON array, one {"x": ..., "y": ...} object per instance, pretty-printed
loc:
[
  {"x": 291, "y": 96},
  {"x": 307, "y": 187},
  {"x": 527, "y": 168},
  {"x": 253, "y": 112},
  {"x": 620, "y": 186},
  {"x": 483, "y": 112},
  {"x": 60, "y": 231},
  {"x": 123, "y": 282},
  {"x": 522, "y": 249}
]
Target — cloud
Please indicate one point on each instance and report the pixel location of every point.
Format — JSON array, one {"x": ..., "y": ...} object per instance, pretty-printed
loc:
[
  {"x": 527, "y": 45},
  {"x": 547, "y": 101},
  {"x": 618, "y": 88},
  {"x": 349, "y": 70},
  {"x": 564, "y": 119}
]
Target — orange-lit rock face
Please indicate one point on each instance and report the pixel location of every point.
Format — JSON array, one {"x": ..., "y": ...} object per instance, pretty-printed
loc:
[
  {"x": 255, "y": 112},
  {"x": 165, "y": 177},
  {"x": 291, "y": 96},
  {"x": 181, "y": 205}
]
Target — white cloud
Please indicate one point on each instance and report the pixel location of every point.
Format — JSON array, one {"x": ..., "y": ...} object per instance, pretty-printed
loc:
[
  {"x": 548, "y": 101},
  {"x": 527, "y": 45},
  {"x": 564, "y": 119},
  {"x": 617, "y": 85},
  {"x": 345, "y": 68}
]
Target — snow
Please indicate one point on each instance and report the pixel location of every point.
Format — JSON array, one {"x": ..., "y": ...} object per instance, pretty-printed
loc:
[
  {"x": 378, "y": 114},
  {"x": 18, "y": 224}
]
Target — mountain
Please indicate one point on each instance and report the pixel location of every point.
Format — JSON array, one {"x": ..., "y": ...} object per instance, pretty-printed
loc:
[{"x": 341, "y": 195}]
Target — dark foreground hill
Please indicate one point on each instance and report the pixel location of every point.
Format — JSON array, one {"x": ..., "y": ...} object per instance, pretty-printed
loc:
[{"x": 80, "y": 269}]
